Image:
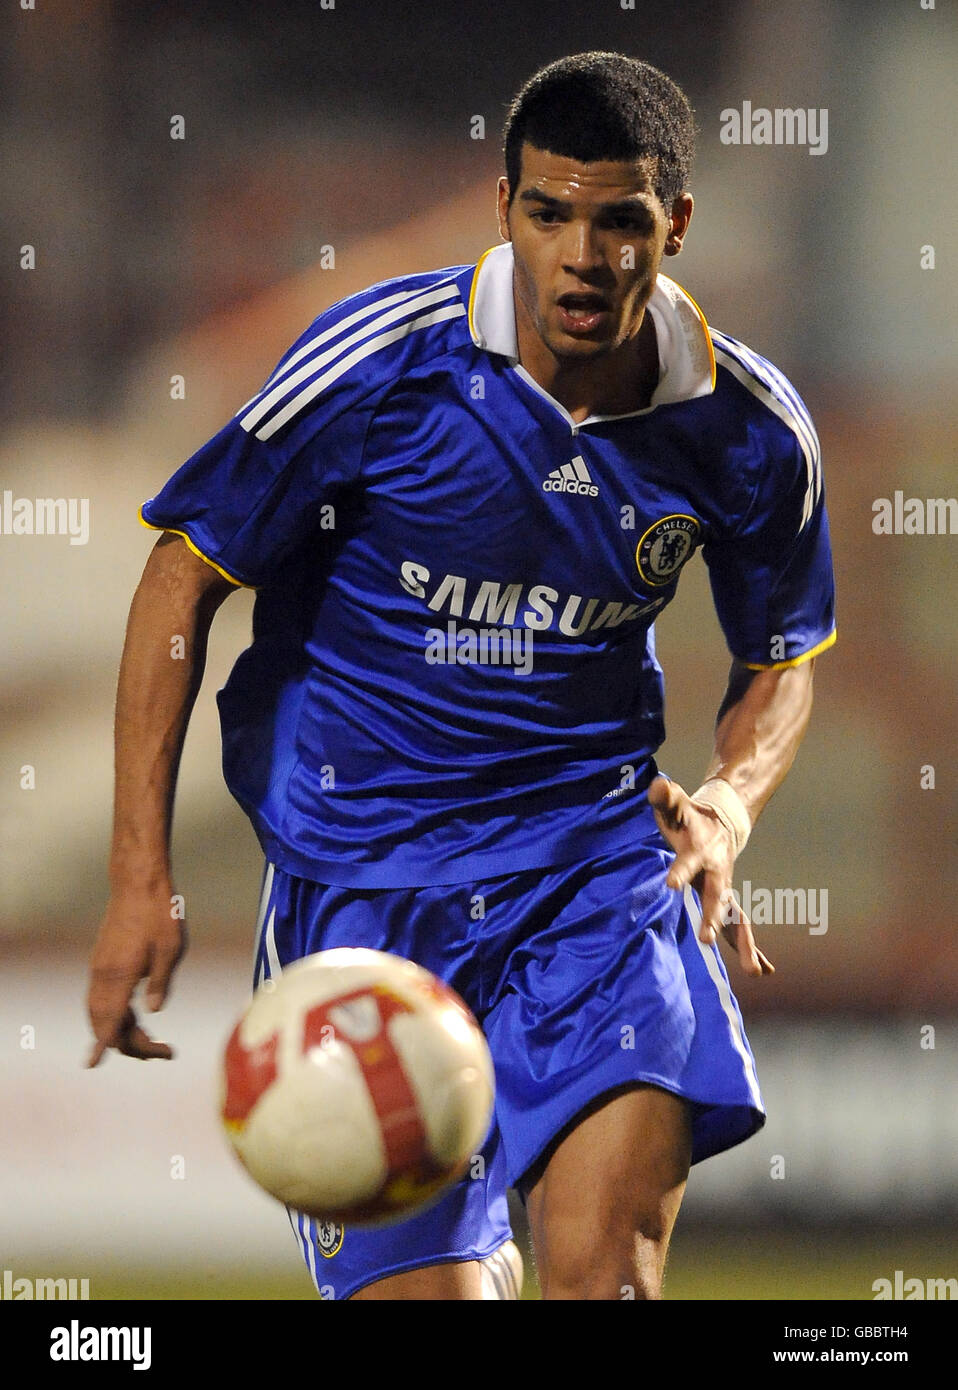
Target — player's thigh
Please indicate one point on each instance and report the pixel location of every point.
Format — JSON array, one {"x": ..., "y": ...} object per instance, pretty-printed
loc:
[
  {"x": 460, "y": 1280},
  {"x": 603, "y": 1201}
]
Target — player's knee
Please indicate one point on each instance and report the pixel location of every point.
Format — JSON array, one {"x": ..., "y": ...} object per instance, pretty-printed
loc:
[{"x": 605, "y": 1280}]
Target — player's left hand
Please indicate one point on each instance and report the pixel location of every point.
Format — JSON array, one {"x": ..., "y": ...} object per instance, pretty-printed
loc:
[{"x": 704, "y": 858}]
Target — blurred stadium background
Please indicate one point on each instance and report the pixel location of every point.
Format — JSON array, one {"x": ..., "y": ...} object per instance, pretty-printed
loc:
[{"x": 350, "y": 128}]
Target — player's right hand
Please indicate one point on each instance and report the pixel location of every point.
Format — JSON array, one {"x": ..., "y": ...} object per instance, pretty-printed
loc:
[{"x": 138, "y": 939}]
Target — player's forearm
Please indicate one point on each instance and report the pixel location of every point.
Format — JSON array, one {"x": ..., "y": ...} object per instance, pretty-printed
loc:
[
  {"x": 760, "y": 725},
  {"x": 160, "y": 674}
]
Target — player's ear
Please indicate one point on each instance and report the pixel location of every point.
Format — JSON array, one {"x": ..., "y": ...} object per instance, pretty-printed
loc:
[
  {"x": 679, "y": 220},
  {"x": 502, "y": 208}
]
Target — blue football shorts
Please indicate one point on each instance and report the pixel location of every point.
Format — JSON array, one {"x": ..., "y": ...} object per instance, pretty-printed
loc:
[{"x": 585, "y": 978}]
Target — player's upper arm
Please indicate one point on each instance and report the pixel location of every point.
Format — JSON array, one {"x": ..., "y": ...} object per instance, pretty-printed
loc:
[{"x": 174, "y": 563}]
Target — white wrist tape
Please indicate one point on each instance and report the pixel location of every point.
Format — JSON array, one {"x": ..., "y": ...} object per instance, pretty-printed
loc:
[{"x": 725, "y": 801}]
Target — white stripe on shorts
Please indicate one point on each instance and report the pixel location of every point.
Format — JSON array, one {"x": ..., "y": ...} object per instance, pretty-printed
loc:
[
  {"x": 261, "y": 913},
  {"x": 302, "y": 1231},
  {"x": 724, "y": 994},
  {"x": 272, "y": 959}
]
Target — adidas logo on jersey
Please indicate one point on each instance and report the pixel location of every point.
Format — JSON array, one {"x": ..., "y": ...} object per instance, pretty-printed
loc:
[{"x": 571, "y": 477}]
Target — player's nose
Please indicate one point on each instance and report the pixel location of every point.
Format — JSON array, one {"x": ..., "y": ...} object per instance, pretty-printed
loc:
[{"x": 582, "y": 250}]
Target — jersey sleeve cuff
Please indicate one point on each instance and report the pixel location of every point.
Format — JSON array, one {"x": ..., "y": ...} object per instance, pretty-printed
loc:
[
  {"x": 176, "y": 531},
  {"x": 829, "y": 641}
]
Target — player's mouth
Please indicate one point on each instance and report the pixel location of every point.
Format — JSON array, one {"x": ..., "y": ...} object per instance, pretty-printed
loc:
[{"x": 582, "y": 312}]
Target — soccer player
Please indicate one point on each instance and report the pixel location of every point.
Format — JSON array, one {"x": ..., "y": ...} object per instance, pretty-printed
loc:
[{"x": 463, "y": 497}]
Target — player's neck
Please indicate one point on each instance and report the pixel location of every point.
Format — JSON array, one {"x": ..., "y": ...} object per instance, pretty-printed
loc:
[{"x": 615, "y": 384}]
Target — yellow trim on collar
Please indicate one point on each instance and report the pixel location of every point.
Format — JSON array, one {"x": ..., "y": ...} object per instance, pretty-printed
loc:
[
  {"x": 702, "y": 320},
  {"x": 472, "y": 294}
]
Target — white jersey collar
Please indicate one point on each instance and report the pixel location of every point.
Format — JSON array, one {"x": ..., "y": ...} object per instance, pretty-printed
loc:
[{"x": 686, "y": 359}]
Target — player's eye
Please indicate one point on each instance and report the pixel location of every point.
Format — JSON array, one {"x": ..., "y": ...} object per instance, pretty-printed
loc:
[{"x": 547, "y": 217}]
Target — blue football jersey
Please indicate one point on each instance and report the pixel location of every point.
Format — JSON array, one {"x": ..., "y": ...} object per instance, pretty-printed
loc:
[{"x": 453, "y": 668}]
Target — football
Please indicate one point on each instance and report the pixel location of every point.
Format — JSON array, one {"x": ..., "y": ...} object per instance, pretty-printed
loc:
[{"x": 356, "y": 1086}]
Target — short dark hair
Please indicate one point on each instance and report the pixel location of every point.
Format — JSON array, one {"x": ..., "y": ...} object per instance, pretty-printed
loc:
[{"x": 592, "y": 106}]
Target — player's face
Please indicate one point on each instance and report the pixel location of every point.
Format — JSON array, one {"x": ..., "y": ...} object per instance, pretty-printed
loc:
[{"x": 588, "y": 240}]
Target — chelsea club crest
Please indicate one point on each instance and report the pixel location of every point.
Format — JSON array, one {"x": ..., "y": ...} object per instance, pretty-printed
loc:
[
  {"x": 329, "y": 1238},
  {"x": 665, "y": 547}
]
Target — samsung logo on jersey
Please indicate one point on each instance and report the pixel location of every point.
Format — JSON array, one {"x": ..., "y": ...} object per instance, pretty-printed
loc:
[{"x": 536, "y": 606}]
